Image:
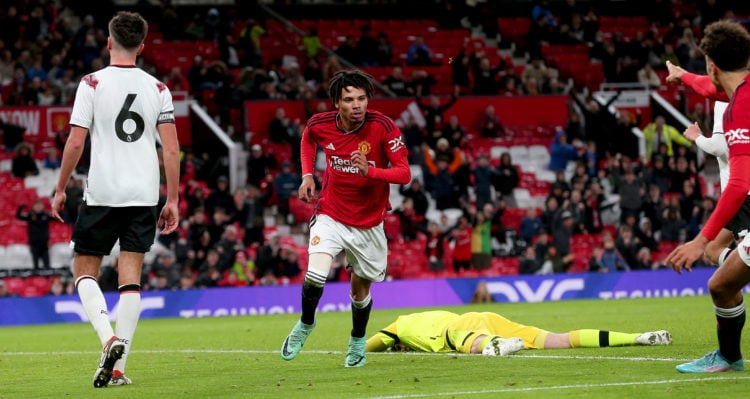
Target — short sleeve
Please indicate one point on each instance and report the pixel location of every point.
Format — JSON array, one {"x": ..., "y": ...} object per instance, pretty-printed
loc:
[{"x": 83, "y": 107}]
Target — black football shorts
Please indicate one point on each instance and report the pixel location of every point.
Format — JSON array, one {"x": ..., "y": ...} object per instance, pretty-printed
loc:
[{"x": 99, "y": 227}]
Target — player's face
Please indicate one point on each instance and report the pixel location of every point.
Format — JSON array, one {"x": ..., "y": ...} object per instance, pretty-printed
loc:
[
  {"x": 712, "y": 72},
  {"x": 352, "y": 106}
]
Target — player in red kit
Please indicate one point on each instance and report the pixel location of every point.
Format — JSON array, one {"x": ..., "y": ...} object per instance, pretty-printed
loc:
[
  {"x": 726, "y": 46},
  {"x": 365, "y": 153}
]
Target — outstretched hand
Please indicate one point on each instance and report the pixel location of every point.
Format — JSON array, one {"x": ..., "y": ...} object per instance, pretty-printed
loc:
[
  {"x": 692, "y": 132},
  {"x": 675, "y": 73}
]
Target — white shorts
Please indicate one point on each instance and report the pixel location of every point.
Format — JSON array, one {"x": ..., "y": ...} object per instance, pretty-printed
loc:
[
  {"x": 366, "y": 249},
  {"x": 742, "y": 250}
]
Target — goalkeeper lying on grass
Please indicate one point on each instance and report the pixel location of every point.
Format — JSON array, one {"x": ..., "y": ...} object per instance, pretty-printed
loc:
[{"x": 493, "y": 335}]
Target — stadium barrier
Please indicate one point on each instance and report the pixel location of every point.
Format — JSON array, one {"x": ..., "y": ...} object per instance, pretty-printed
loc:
[{"x": 218, "y": 302}]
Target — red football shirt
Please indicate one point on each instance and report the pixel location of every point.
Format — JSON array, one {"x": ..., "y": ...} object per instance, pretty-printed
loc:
[
  {"x": 346, "y": 196},
  {"x": 737, "y": 135}
]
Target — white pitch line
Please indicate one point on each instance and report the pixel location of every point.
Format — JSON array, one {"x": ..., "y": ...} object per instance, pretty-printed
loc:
[
  {"x": 322, "y": 352},
  {"x": 580, "y": 386}
]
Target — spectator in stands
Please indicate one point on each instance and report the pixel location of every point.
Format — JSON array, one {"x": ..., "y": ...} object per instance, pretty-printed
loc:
[
  {"x": 485, "y": 77},
  {"x": 37, "y": 219},
  {"x": 52, "y": 160},
  {"x": 421, "y": 82},
  {"x": 435, "y": 247},
  {"x": 560, "y": 151},
  {"x": 562, "y": 232},
  {"x": 244, "y": 266},
  {"x": 251, "y": 44},
  {"x": 285, "y": 185},
  {"x": 506, "y": 179},
  {"x": 441, "y": 168},
  {"x": 418, "y": 53},
  {"x": 415, "y": 137},
  {"x": 540, "y": 33},
  {"x": 176, "y": 81},
  {"x": 556, "y": 262},
  {"x": 220, "y": 197},
  {"x": 481, "y": 241},
  {"x": 530, "y": 226},
  {"x": 627, "y": 244},
  {"x": 227, "y": 247},
  {"x": 187, "y": 281},
  {"x": 673, "y": 227},
  {"x": 484, "y": 175},
  {"x": 529, "y": 263},
  {"x": 167, "y": 269},
  {"x": 290, "y": 268},
  {"x": 535, "y": 69},
  {"x": 531, "y": 87},
  {"x": 250, "y": 216},
  {"x": 232, "y": 279},
  {"x": 209, "y": 278},
  {"x": 269, "y": 256},
  {"x": 454, "y": 132},
  {"x": 632, "y": 191},
  {"x": 461, "y": 236},
  {"x": 367, "y": 47},
  {"x": 311, "y": 43},
  {"x": 509, "y": 88},
  {"x": 490, "y": 125},
  {"x": 679, "y": 174},
  {"x": 433, "y": 111},
  {"x": 460, "y": 69},
  {"x": 259, "y": 164},
  {"x": 648, "y": 77},
  {"x": 282, "y": 129},
  {"x": 608, "y": 259},
  {"x": 23, "y": 163},
  {"x": 12, "y": 135},
  {"x": 419, "y": 199},
  {"x": 347, "y": 50},
  {"x": 396, "y": 83},
  {"x": 331, "y": 66}
]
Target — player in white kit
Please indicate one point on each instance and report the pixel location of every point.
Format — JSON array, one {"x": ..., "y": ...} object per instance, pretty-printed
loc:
[{"x": 123, "y": 109}]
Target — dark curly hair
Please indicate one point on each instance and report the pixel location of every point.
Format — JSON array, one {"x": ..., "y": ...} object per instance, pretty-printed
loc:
[
  {"x": 353, "y": 78},
  {"x": 128, "y": 29},
  {"x": 727, "y": 44}
]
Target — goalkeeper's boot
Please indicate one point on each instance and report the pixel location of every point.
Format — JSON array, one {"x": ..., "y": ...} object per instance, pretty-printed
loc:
[
  {"x": 713, "y": 362},
  {"x": 118, "y": 378},
  {"x": 294, "y": 341},
  {"x": 661, "y": 337},
  {"x": 499, "y": 346},
  {"x": 111, "y": 353},
  {"x": 355, "y": 355}
]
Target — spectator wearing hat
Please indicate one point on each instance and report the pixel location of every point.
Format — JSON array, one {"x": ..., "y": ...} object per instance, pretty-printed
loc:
[
  {"x": 259, "y": 165},
  {"x": 562, "y": 232},
  {"x": 560, "y": 151}
]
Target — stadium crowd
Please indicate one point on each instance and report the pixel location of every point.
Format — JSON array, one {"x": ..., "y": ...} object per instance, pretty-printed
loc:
[{"x": 223, "y": 240}]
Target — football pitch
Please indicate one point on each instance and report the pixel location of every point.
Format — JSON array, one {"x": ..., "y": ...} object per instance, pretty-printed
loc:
[{"x": 239, "y": 357}]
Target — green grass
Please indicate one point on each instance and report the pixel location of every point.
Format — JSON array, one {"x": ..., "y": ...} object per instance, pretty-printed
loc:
[{"x": 238, "y": 357}]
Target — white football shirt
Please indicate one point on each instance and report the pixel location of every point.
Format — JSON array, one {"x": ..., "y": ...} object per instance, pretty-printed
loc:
[{"x": 121, "y": 106}]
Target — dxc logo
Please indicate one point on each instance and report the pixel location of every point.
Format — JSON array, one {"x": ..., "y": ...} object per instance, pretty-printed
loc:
[
  {"x": 519, "y": 291},
  {"x": 156, "y": 302},
  {"x": 736, "y": 135}
]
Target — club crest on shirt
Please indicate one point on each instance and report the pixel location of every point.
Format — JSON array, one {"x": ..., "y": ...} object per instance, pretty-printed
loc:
[
  {"x": 315, "y": 240},
  {"x": 364, "y": 147}
]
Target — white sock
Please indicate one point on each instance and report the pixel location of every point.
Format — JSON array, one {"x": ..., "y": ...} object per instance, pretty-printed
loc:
[
  {"x": 128, "y": 313},
  {"x": 95, "y": 306}
]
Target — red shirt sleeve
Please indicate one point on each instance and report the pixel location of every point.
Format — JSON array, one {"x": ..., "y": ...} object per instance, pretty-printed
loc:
[
  {"x": 399, "y": 172},
  {"x": 732, "y": 196},
  {"x": 307, "y": 153},
  {"x": 702, "y": 85}
]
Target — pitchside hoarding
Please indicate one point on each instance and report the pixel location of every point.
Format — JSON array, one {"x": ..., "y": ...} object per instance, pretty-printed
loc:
[{"x": 218, "y": 302}]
